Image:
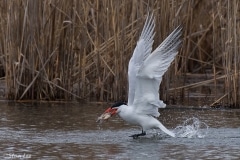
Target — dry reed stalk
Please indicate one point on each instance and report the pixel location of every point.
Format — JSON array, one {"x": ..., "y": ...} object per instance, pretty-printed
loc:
[{"x": 53, "y": 50}]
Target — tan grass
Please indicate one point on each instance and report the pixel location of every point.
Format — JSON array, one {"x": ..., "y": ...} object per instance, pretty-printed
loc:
[{"x": 60, "y": 49}]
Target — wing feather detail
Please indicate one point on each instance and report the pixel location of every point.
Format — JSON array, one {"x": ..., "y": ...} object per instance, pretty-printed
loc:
[
  {"x": 145, "y": 69},
  {"x": 141, "y": 52},
  {"x": 157, "y": 63},
  {"x": 149, "y": 75}
]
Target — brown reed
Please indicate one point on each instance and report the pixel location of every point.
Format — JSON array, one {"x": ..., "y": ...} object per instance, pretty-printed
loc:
[{"x": 79, "y": 49}]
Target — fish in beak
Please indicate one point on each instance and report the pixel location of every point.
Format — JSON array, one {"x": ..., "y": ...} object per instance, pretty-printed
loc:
[{"x": 107, "y": 114}]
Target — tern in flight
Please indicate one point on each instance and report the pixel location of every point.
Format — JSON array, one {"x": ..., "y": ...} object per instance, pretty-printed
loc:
[{"x": 145, "y": 72}]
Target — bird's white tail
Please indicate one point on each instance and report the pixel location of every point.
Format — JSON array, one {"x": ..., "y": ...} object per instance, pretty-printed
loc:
[{"x": 164, "y": 129}]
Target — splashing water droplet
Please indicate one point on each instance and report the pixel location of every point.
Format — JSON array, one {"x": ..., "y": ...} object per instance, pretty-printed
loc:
[{"x": 192, "y": 128}]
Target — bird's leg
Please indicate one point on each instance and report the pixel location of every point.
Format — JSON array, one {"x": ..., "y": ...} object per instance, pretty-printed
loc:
[{"x": 137, "y": 135}]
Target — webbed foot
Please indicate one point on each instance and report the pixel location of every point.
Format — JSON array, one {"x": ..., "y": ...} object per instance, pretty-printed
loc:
[{"x": 135, "y": 136}]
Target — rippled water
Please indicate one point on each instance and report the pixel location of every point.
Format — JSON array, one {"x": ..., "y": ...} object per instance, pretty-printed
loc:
[{"x": 70, "y": 131}]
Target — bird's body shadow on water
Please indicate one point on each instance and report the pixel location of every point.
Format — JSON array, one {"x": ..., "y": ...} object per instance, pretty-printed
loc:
[{"x": 70, "y": 132}]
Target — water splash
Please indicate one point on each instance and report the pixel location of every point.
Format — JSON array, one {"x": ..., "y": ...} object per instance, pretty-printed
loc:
[{"x": 192, "y": 128}]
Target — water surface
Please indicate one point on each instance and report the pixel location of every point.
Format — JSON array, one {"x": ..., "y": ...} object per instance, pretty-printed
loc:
[{"x": 70, "y": 131}]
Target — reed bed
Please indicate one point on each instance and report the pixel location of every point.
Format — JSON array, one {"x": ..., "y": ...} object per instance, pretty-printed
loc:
[{"x": 79, "y": 49}]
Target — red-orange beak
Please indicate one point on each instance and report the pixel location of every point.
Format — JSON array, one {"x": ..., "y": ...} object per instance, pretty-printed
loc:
[
  {"x": 112, "y": 111},
  {"x": 107, "y": 114}
]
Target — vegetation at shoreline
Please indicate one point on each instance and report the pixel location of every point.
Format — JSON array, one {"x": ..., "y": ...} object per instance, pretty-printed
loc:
[{"x": 79, "y": 49}]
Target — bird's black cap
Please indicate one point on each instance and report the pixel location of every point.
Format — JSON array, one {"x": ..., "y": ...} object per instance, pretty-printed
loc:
[{"x": 117, "y": 104}]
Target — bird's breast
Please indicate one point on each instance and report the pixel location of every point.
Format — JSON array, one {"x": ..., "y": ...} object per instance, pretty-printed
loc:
[{"x": 128, "y": 115}]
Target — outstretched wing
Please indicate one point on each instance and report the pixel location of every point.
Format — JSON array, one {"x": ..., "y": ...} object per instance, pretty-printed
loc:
[
  {"x": 141, "y": 52},
  {"x": 149, "y": 75}
]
